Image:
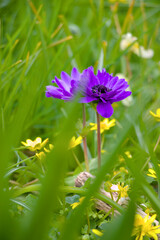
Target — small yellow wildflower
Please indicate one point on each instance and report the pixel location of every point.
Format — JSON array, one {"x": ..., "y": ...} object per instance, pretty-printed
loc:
[
  {"x": 50, "y": 148},
  {"x": 37, "y": 144},
  {"x": 40, "y": 155},
  {"x": 148, "y": 211},
  {"x": 157, "y": 115},
  {"x": 122, "y": 191},
  {"x": 128, "y": 154},
  {"x": 121, "y": 159},
  {"x": 143, "y": 227},
  {"x": 122, "y": 169},
  {"x": 152, "y": 173},
  {"x": 74, "y": 205},
  {"x": 104, "y": 125},
  {"x": 97, "y": 232},
  {"x": 75, "y": 141},
  {"x": 103, "y": 151}
]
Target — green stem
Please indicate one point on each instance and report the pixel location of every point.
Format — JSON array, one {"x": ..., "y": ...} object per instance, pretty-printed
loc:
[
  {"x": 85, "y": 141},
  {"x": 98, "y": 140},
  {"x": 24, "y": 160},
  {"x": 68, "y": 189},
  {"x": 88, "y": 221},
  {"x": 77, "y": 161}
]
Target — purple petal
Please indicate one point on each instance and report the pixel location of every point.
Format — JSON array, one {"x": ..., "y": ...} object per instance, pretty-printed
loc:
[
  {"x": 105, "y": 109},
  {"x": 113, "y": 82},
  {"x": 121, "y": 96},
  {"x": 61, "y": 84},
  {"x": 75, "y": 74},
  {"x": 121, "y": 85},
  {"x": 65, "y": 77},
  {"x": 88, "y": 78},
  {"x": 53, "y": 92},
  {"x": 73, "y": 88},
  {"x": 88, "y": 99},
  {"x": 90, "y": 69}
]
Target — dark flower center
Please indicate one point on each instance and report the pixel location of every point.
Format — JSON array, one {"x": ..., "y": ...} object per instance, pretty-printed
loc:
[{"x": 100, "y": 89}]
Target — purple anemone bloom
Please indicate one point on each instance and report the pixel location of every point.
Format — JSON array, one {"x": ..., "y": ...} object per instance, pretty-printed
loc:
[
  {"x": 103, "y": 89},
  {"x": 67, "y": 86}
]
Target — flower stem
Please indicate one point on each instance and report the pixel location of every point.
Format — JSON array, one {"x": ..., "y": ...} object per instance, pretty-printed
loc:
[
  {"x": 85, "y": 141},
  {"x": 98, "y": 140}
]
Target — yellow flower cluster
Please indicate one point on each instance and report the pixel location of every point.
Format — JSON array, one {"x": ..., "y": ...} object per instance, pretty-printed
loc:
[
  {"x": 104, "y": 125},
  {"x": 37, "y": 145},
  {"x": 143, "y": 227},
  {"x": 120, "y": 189}
]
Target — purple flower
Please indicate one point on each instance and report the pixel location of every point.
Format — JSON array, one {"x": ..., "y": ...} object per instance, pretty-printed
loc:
[
  {"x": 67, "y": 86},
  {"x": 103, "y": 89}
]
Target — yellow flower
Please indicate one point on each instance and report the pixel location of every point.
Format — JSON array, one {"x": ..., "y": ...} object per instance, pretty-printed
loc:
[
  {"x": 74, "y": 205},
  {"x": 152, "y": 173},
  {"x": 37, "y": 144},
  {"x": 157, "y": 115},
  {"x": 122, "y": 169},
  {"x": 121, "y": 159},
  {"x": 128, "y": 154},
  {"x": 143, "y": 227},
  {"x": 97, "y": 232},
  {"x": 50, "y": 148},
  {"x": 104, "y": 125},
  {"x": 75, "y": 141},
  {"x": 103, "y": 151},
  {"x": 123, "y": 190},
  {"x": 41, "y": 155}
]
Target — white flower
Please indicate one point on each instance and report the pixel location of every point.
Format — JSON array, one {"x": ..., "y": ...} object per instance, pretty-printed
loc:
[
  {"x": 129, "y": 40},
  {"x": 129, "y": 100},
  {"x": 145, "y": 53},
  {"x": 114, "y": 187}
]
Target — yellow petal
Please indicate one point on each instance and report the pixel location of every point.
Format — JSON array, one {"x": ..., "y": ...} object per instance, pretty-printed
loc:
[
  {"x": 74, "y": 142},
  {"x": 97, "y": 232},
  {"x": 158, "y": 112}
]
